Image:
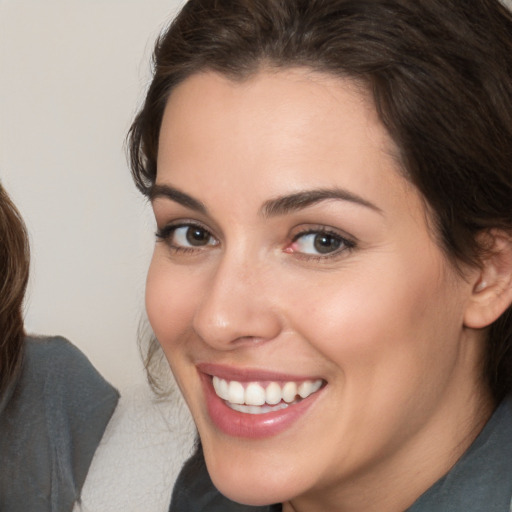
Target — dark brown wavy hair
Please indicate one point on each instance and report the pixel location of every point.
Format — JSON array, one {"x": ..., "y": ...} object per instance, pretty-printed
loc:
[
  {"x": 14, "y": 268},
  {"x": 440, "y": 72}
]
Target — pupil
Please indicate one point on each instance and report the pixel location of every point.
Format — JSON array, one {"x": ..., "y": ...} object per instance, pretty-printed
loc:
[
  {"x": 326, "y": 243},
  {"x": 197, "y": 236}
]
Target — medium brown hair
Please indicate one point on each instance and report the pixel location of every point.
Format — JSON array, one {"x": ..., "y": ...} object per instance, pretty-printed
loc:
[
  {"x": 14, "y": 268},
  {"x": 440, "y": 72}
]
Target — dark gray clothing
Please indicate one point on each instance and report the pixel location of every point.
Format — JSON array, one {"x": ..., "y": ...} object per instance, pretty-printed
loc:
[
  {"x": 52, "y": 419},
  {"x": 481, "y": 481}
]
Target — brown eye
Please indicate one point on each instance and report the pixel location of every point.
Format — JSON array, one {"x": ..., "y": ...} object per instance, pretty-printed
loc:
[
  {"x": 325, "y": 243},
  {"x": 186, "y": 236},
  {"x": 319, "y": 243},
  {"x": 196, "y": 236}
]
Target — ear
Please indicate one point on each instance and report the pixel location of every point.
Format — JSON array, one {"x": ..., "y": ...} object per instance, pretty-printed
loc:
[{"x": 492, "y": 287}]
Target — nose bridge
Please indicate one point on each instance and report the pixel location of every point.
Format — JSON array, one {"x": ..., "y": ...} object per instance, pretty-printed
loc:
[{"x": 237, "y": 304}]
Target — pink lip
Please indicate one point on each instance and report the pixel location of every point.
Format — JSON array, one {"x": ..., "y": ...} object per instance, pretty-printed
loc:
[
  {"x": 251, "y": 426},
  {"x": 249, "y": 374}
]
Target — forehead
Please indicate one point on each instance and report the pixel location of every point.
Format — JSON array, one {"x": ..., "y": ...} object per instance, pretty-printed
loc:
[
  {"x": 289, "y": 129},
  {"x": 295, "y": 98}
]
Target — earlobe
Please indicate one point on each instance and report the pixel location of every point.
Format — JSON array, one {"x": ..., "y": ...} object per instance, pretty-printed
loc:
[{"x": 492, "y": 291}]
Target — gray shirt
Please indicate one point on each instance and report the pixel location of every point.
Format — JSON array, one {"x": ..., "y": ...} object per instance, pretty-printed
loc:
[
  {"x": 481, "y": 481},
  {"x": 51, "y": 421}
]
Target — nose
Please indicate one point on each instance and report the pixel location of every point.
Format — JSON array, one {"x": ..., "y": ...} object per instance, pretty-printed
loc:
[{"x": 238, "y": 306}]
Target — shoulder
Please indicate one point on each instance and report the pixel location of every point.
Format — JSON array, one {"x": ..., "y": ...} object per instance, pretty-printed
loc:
[
  {"x": 43, "y": 354},
  {"x": 58, "y": 373},
  {"x": 51, "y": 346},
  {"x": 55, "y": 416}
]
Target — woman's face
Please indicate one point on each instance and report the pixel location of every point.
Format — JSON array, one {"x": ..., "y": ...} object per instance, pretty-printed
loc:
[{"x": 294, "y": 259}]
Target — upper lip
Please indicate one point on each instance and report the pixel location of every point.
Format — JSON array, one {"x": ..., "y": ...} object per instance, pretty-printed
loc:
[{"x": 244, "y": 374}]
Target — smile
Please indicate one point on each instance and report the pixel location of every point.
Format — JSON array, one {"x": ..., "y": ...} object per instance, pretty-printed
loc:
[{"x": 258, "y": 398}]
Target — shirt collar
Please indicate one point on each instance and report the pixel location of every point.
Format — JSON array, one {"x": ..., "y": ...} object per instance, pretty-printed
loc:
[{"x": 482, "y": 478}]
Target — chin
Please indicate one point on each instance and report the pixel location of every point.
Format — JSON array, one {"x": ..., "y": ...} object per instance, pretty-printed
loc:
[
  {"x": 253, "y": 482},
  {"x": 247, "y": 493}
]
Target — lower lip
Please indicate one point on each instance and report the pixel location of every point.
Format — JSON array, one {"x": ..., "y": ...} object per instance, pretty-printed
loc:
[{"x": 252, "y": 426}]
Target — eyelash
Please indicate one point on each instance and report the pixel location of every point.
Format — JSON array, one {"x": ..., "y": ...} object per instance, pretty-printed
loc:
[
  {"x": 345, "y": 244},
  {"x": 166, "y": 233}
]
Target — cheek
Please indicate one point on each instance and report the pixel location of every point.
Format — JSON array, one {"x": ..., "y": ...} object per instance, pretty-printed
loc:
[
  {"x": 170, "y": 302},
  {"x": 171, "y": 298},
  {"x": 389, "y": 348},
  {"x": 385, "y": 326}
]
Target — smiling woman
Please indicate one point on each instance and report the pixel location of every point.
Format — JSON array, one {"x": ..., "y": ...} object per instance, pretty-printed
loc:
[{"x": 332, "y": 278}]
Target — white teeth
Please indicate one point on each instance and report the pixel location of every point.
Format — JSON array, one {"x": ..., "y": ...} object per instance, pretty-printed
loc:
[
  {"x": 254, "y": 394},
  {"x": 273, "y": 393},
  {"x": 289, "y": 392},
  {"x": 254, "y": 409},
  {"x": 308, "y": 388},
  {"x": 305, "y": 389},
  {"x": 236, "y": 393},
  {"x": 224, "y": 389},
  {"x": 255, "y": 399}
]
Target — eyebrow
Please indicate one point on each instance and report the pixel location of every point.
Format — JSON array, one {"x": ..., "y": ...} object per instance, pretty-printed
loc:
[
  {"x": 177, "y": 196},
  {"x": 300, "y": 200},
  {"x": 273, "y": 207}
]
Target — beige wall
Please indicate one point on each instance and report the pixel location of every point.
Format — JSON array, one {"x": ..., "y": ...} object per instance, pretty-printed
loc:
[{"x": 71, "y": 75}]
